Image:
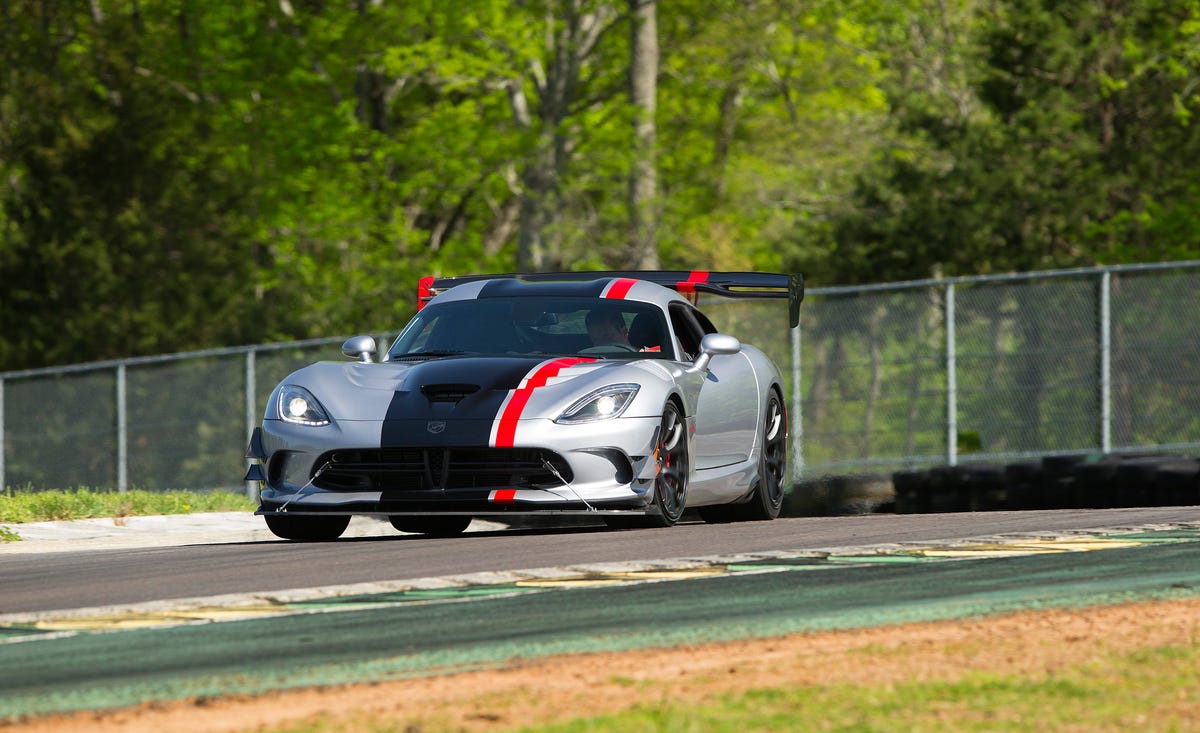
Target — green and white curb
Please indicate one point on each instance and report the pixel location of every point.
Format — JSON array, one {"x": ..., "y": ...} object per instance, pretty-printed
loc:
[{"x": 27, "y": 627}]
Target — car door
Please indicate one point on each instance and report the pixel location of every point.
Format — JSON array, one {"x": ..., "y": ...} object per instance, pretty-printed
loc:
[{"x": 727, "y": 408}]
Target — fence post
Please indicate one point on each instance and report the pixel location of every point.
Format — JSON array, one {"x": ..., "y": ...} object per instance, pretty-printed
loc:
[
  {"x": 1106, "y": 361},
  {"x": 951, "y": 381},
  {"x": 3, "y": 485},
  {"x": 797, "y": 417},
  {"x": 251, "y": 380},
  {"x": 122, "y": 433}
]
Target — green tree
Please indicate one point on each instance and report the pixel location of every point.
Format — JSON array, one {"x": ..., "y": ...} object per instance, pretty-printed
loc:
[
  {"x": 121, "y": 234},
  {"x": 1068, "y": 146},
  {"x": 767, "y": 111}
]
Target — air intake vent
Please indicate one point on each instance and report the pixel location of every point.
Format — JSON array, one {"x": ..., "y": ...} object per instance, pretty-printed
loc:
[{"x": 448, "y": 392}]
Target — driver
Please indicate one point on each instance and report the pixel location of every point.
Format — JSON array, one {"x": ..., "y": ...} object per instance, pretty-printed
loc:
[{"x": 607, "y": 327}]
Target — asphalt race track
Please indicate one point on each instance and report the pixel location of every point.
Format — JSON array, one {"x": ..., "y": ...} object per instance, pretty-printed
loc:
[
  {"x": 113, "y": 577},
  {"x": 596, "y": 589}
]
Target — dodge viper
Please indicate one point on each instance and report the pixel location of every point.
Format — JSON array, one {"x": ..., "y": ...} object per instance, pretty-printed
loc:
[{"x": 607, "y": 394}]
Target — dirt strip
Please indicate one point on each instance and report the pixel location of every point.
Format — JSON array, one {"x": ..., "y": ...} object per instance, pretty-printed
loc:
[{"x": 1030, "y": 643}]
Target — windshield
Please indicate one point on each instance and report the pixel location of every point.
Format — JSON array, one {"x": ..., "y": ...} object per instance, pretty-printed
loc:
[{"x": 597, "y": 327}]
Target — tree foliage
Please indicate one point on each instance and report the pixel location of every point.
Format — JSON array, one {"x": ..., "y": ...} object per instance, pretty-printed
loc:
[
  {"x": 177, "y": 174},
  {"x": 1066, "y": 141}
]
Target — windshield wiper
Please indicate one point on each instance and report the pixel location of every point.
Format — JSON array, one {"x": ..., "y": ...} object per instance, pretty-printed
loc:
[{"x": 429, "y": 354}]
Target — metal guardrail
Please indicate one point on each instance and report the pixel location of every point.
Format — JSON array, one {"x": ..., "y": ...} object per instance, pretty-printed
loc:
[{"x": 882, "y": 377}]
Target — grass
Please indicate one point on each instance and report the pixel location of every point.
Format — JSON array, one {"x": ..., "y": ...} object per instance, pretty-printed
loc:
[
  {"x": 1151, "y": 689},
  {"x": 20, "y": 506}
]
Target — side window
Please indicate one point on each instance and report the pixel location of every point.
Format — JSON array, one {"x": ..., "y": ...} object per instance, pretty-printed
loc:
[
  {"x": 687, "y": 329},
  {"x": 705, "y": 324}
]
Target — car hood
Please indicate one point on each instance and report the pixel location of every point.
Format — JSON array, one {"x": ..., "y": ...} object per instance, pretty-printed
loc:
[{"x": 457, "y": 388}]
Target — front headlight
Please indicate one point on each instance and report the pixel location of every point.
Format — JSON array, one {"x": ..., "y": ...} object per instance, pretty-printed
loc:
[
  {"x": 297, "y": 405},
  {"x": 602, "y": 404}
]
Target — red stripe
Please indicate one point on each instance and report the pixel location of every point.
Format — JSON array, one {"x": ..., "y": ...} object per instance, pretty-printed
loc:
[
  {"x": 504, "y": 496},
  {"x": 620, "y": 288},
  {"x": 688, "y": 287},
  {"x": 507, "y": 430},
  {"x": 424, "y": 290}
]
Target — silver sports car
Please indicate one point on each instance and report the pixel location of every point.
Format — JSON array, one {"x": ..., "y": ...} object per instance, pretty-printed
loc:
[{"x": 606, "y": 394}]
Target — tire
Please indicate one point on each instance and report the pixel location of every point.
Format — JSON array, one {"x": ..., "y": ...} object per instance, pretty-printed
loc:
[
  {"x": 1175, "y": 483},
  {"x": 670, "y": 484},
  {"x": 985, "y": 482},
  {"x": 1022, "y": 482},
  {"x": 767, "y": 499},
  {"x": 307, "y": 528},
  {"x": 434, "y": 526},
  {"x": 907, "y": 488}
]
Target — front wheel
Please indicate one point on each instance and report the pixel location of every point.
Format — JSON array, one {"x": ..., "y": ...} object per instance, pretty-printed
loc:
[
  {"x": 307, "y": 528},
  {"x": 434, "y": 526},
  {"x": 671, "y": 479}
]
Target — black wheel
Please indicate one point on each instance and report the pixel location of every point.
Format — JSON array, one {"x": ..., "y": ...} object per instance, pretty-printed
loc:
[
  {"x": 767, "y": 499},
  {"x": 772, "y": 464},
  {"x": 670, "y": 484},
  {"x": 670, "y": 487},
  {"x": 434, "y": 526},
  {"x": 307, "y": 528}
]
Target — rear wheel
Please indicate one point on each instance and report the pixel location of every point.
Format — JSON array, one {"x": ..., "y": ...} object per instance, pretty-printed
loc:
[
  {"x": 772, "y": 465},
  {"x": 767, "y": 499},
  {"x": 434, "y": 526},
  {"x": 307, "y": 528}
]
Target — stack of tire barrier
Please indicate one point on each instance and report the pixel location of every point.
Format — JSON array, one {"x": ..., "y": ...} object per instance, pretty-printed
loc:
[{"x": 1052, "y": 482}]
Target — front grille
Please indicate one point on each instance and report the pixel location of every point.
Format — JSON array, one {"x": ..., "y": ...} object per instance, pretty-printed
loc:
[{"x": 419, "y": 469}]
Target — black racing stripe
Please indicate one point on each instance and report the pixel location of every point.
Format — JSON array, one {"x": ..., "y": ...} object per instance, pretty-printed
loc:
[
  {"x": 428, "y": 411},
  {"x": 510, "y": 288}
]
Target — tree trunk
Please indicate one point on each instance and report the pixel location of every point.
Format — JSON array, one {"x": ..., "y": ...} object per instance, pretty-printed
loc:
[
  {"x": 643, "y": 177},
  {"x": 556, "y": 84}
]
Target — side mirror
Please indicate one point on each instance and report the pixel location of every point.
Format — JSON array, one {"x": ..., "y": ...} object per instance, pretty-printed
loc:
[
  {"x": 359, "y": 347},
  {"x": 714, "y": 344}
]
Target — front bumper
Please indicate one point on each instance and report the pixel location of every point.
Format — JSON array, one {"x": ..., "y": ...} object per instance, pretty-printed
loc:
[{"x": 341, "y": 468}]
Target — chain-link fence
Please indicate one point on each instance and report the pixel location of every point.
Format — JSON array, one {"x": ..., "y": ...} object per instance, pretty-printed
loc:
[
  {"x": 180, "y": 421},
  {"x": 1085, "y": 361},
  {"x": 890, "y": 376}
]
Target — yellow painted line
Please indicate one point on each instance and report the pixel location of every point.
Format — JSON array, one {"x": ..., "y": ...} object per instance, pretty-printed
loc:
[
  {"x": 980, "y": 552},
  {"x": 1083, "y": 545},
  {"x": 145, "y": 620},
  {"x": 568, "y": 582},
  {"x": 616, "y": 578},
  {"x": 1033, "y": 547},
  {"x": 687, "y": 574}
]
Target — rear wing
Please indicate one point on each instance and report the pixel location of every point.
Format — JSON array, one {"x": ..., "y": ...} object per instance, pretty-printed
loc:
[{"x": 685, "y": 282}]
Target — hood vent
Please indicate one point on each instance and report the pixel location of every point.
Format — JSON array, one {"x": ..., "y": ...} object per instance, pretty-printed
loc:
[{"x": 448, "y": 392}]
